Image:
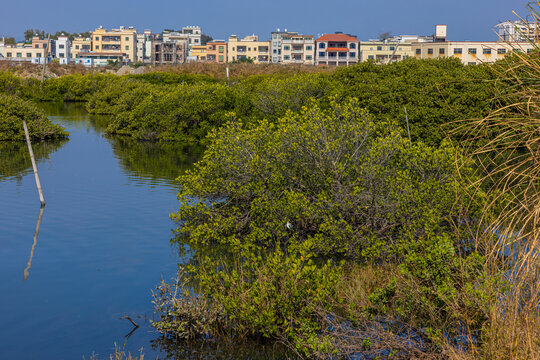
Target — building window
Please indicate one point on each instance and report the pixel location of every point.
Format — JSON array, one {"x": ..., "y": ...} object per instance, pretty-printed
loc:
[
  {"x": 441, "y": 51},
  {"x": 28, "y": 54},
  {"x": 220, "y": 57},
  {"x": 77, "y": 47},
  {"x": 371, "y": 57},
  {"x": 221, "y": 49},
  {"x": 321, "y": 54},
  {"x": 309, "y": 48},
  {"x": 472, "y": 51},
  {"x": 501, "y": 51},
  {"x": 487, "y": 51},
  {"x": 352, "y": 46},
  {"x": 309, "y": 57},
  {"x": 352, "y": 54},
  {"x": 275, "y": 51},
  {"x": 286, "y": 47},
  {"x": 9, "y": 54},
  {"x": 127, "y": 47},
  {"x": 430, "y": 51},
  {"x": 418, "y": 51},
  {"x": 36, "y": 46},
  {"x": 286, "y": 57},
  {"x": 379, "y": 48},
  {"x": 97, "y": 47},
  {"x": 392, "y": 48},
  {"x": 322, "y": 45},
  {"x": 19, "y": 54},
  {"x": 61, "y": 46},
  {"x": 127, "y": 39},
  {"x": 458, "y": 51},
  {"x": 97, "y": 38}
]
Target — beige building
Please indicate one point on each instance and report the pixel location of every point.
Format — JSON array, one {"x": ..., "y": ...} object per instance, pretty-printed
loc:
[
  {"x": 117, "y": 41},
  {"x": 216, "y": 51},
  {"x": 297, "y": 49},
  {"x": 80, "y": 44},
  {"x": 384, "y": 52},
  {"x": 21, "y": 52},
  {"x": 248, "y": 48},
  {"x": 469, "y": 52}
]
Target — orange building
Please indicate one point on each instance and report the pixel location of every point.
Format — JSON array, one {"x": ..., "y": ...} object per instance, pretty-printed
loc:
[{"x": 216, "y": 51}]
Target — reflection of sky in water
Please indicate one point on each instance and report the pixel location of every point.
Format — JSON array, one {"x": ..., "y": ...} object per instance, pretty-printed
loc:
[{"x": 103, "y": 243}]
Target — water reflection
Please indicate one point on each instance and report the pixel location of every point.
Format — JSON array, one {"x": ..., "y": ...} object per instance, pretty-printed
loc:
[
  {"x": 15, "y": 160},
  {"x": 29, "y": 264},
  {"x": 157, "y": 161},
  {"x": 222, "y": 349}
]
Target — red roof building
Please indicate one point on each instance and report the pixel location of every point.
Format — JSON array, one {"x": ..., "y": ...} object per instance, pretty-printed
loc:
[{"x": 336, "y": 50}]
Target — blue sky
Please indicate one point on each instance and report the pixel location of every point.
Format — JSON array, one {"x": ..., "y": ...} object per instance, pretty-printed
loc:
[{"x": 466, "y": 19}]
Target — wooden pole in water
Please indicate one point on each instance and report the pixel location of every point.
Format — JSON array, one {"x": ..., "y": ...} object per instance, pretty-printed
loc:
[
  {"x": 38, "y": 184},
  {"x": 29, "y": 264}
]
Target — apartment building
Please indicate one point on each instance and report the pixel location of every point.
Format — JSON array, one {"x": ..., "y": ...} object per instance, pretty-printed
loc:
[
  {"x": 80, "y": 44},
  {"x": 120, "y": 41},
  {"x": 469, "y": 52},
  {"x": 144, "y": 47},
  {"x": 216, "y": 51},
  {"x": 336, "y": 50},
  {"x": 63, "y": 49},
  {"x": 517, "y": 31},
  {"x": 169, "y": 52},
  {"x": 297, "y": 49},
  {"x": 384, "y": 52},
  {"x": 198, "y": 53},
  {"x": 276, "y": 44},
  {"x": 248, "y": 48},
  {"x": 193, "y": 36},
  {"x": 22, "y": 52}
]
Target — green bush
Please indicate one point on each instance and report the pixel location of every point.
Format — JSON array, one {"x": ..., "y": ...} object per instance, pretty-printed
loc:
[{"x": 13, "y": 111}]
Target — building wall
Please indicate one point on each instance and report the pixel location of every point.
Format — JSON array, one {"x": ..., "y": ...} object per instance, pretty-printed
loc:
[
  {"x": 169, "y": 52},
  {"x": 120, "y": 41},
  {"x": 144, "y": 47},
  {"x": 80, "y": 44},
  {"x": 22, "y": 52},
  {"x": 469, "y": 52},
  {"x": 384, "y": 52},
  {"x": 199, "y": 52},
  {"x": 276, "y": 45},
  {"x": 249, "y": 47},
  {"x": 63, "y": 48},
  {"x": 297, "y": 49},
  {"x": 336, "y": 50},
  {"x": 216, "y": 51}
]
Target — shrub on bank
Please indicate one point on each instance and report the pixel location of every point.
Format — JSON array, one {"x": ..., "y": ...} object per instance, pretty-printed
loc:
[{"x": 13, "y": 111}]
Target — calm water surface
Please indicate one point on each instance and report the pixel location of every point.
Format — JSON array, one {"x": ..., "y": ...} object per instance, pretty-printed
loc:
[{"x": 103, "y": 242}]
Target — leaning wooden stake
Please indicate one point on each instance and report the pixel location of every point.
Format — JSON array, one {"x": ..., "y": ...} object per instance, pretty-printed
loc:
[
  {"x": 29, "y": 264},
  {"x": 38, "y": 184}
]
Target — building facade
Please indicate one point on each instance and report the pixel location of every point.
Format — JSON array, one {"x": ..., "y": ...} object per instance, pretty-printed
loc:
[
  {"x": 517, "y": 31},
  {"x": 63, "y": 50},
  {"x": 336, "y": 50},
  {"x": 80, "y": 44},
  {"x": 169, "y": 52},
  {"x": 198, "y": 53},
  {"x": 193, "y": 36},
  {"x": 248, "y": 48},
  {"x": 297, "y": 49},
  {"x": 276, "y": 45},
  {"x": 144, "y": 47},
  {"x": 384, "y": 52},
  {"x": 117, "y": 41},
  {"x": 216, "y": 51}
]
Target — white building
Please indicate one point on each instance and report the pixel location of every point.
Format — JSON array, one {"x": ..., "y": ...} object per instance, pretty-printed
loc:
[
  {"x": 63, "y": 49},
  {"x": 517, "y": 31},
  {"x": 144, "y": 47},
  {"x": 276, "y": 43},
  {"x": 194, "y": 36}
]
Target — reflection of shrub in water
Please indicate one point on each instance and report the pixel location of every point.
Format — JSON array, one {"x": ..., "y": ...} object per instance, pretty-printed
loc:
[
  {"x": 154, "y": 160},
  {"x": 15, "y": 160}
]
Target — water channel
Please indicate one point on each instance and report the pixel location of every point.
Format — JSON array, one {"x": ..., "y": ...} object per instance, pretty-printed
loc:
[{"x": 103, "y": 241}]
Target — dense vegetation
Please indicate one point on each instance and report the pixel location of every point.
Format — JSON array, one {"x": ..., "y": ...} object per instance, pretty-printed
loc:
[
  {"x": 13, "y": 111},
  {"x": 319, "y": 217}
]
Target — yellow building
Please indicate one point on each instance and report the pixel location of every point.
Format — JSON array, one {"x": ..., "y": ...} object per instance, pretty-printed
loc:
[
  {"x": 199, "y": 52},
  {"x": 384, "y": 51},
  {"x": 117, "y": 41},
  {"x": 248, "y": 48},
  {"x": 80, "y": 44}
]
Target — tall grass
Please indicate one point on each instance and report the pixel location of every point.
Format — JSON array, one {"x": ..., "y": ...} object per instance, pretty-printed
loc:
[{"x": 509, "y": 162}]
